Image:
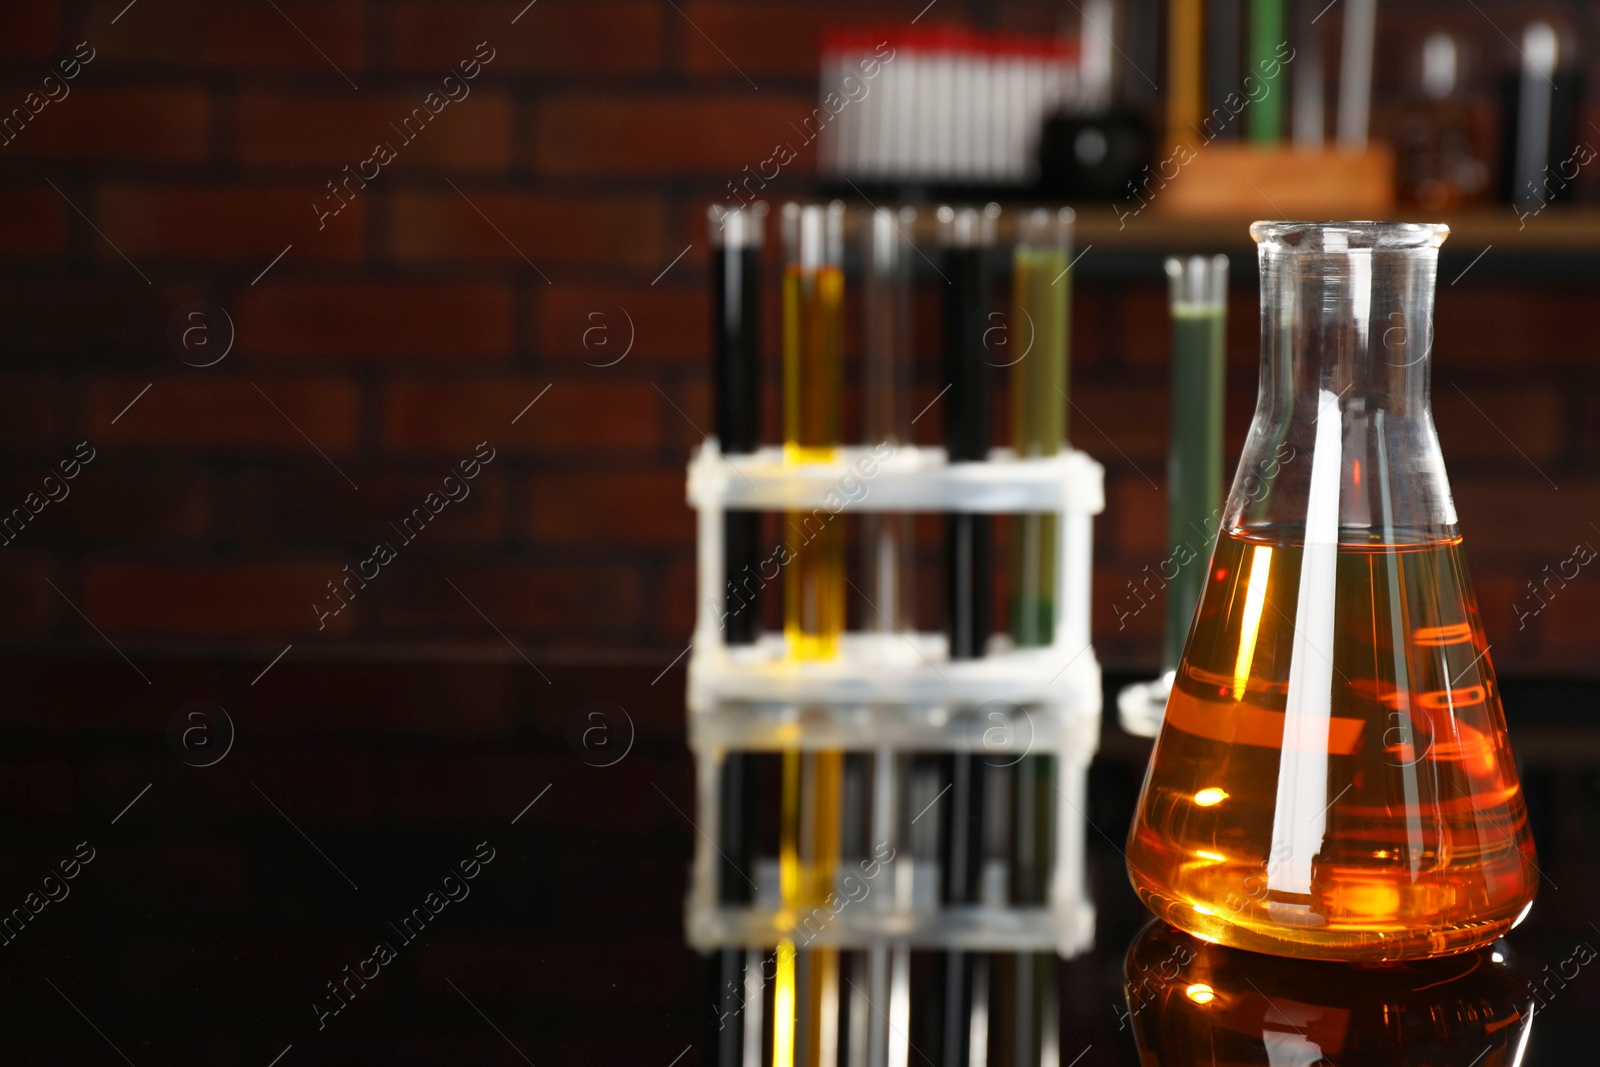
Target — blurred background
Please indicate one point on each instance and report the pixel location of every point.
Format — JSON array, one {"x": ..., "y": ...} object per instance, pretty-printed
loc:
[{"x": 176, "y": 200}]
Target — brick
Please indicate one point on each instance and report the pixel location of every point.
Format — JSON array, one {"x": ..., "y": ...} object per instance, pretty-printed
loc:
[
  {"x": 1143, "y": 326},
  {"x": 452, "y": 416},
  {"x": 228, "y": 413},
  {"x": 276, "y": 507},
  {"x": 543, "y": 602},
  {"x": 1525, "y": 325},
  {"x": 1495, "y": 422},
  {"x": 225, "y": 224},
  {"x": 594, "y": 324},
  {"x": 688, "y": 415},
  {"x": 334, "y": 130},
  {"x": 675, "y": 607},
  {"x": 124, "y": 503},
  {"x": 1125, "y": 428},
  {"x": 95, "y": 687},
  {"x": 579, "y": 135},
  {"x": 591, "y": 39},
  {"x": 1134, "y": 525},
  {"x": 624, "y": 508},
  {"x": 72, "y": 322},
  {"x": 221, "y": 601},
  {"x": 122, "y": 125},
  {"x": 32, "y": 607},
  {"x": 783, "y": 39},
  {"x": 1524, "y": 516},
  {"x": 228, "y": 37},
  {"x": 31, "y": 422},
  {"x": 1128, "y": 619},
  {"x": 372, "y": 319},
  {"x": 33, "y": 30},
  {"x": 1143, "y": 329},
  {"x": 35, "y": 223},
  {"x": 1567, "y": 624},
  {"x": 432, "y": 227}
]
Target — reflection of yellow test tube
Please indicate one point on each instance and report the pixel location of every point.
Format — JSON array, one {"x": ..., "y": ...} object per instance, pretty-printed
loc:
[{"x": 814, "y": 607}]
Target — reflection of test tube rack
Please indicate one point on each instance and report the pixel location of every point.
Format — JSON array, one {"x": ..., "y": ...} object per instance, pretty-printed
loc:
[{"x": 888, "y": 700}]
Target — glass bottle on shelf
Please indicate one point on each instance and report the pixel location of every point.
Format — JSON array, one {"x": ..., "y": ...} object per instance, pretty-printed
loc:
[{"x": 1333, "y": 778}]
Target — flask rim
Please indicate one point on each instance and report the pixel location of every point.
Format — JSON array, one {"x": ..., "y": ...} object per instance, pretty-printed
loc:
[{"x": 1358, "y": 236}]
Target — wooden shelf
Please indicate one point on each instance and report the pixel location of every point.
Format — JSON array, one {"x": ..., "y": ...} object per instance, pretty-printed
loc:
[{"x": 1558, "y": 244}]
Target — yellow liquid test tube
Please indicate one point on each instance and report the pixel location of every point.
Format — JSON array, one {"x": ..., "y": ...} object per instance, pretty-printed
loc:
[{"x": 814, "y": 616}]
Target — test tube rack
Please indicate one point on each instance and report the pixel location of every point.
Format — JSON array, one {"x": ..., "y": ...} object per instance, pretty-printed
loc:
[{"x": 898, "y": 693}]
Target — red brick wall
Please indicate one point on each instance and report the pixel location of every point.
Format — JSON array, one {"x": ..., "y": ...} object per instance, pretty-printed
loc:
[{"x": 455, "y": 288}]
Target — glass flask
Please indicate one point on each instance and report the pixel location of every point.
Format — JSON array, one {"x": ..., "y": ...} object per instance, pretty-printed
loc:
[
  {"x": 1333, "y": 778},
  {"x": 1190, "y": 1004}
]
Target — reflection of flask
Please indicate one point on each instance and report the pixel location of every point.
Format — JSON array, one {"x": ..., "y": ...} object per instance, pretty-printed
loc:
[
  {"x": 1193, "y": 1003},
  {"x": 1333, "y": 778}
]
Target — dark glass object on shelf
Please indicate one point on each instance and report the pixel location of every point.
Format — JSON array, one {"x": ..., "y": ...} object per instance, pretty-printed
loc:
[
  {"x": 1094, "y": 157},
  {"x": 1542, "y": 150},
  {"x": 1190, "y": 1002},
  {"x": 1439, "y": 141}
]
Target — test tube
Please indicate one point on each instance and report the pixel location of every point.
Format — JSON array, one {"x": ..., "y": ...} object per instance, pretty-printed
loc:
[
  {"x": 736, "y": 235},
  {"x": 1185, "y": 77},
  {"x": 813, "y": 297},
  {"x": 1199, "y": 292},
  {"x": 1041, "y": 307},
  {"x": 1265, "y": 116},
  {"x": 887, "y": 536},
  {"x": 805, "y": 1015},
  {"x": 1039, "y": 329},
  {"x": 967, "y": 237},
  {"x": 736, "y": 240},
  {"x": 1355, "y": 77},
  {"x": 1222, "y": 68},
  {"x": 887, "y": 543}
]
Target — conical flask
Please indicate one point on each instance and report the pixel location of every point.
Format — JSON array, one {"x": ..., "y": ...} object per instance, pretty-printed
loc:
[{"x": 1333, "y": 778}]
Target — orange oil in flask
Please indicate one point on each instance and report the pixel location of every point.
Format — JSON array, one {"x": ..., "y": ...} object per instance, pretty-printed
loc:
[{"x": 1333, "y": 778}]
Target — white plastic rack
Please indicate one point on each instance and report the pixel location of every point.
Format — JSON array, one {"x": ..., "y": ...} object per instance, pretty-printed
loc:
[{"x": 892, "y": 693}]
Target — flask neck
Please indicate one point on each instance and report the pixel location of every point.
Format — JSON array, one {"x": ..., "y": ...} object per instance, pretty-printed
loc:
[{"x": 1342, "y": 447}]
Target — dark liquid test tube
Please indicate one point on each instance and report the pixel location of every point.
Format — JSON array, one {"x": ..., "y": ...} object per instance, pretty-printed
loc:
[
  {"x": 967, "y": 239},
  {"x": 736, "y": 329},
  {"x": 736, "y": 241}
]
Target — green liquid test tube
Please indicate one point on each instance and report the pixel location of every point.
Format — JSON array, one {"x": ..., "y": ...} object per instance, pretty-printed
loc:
[
  {"x": 1264, "y": 116},
  {"x": 1199, "y": 291},
  {"x": 1038, "y": 335}
]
